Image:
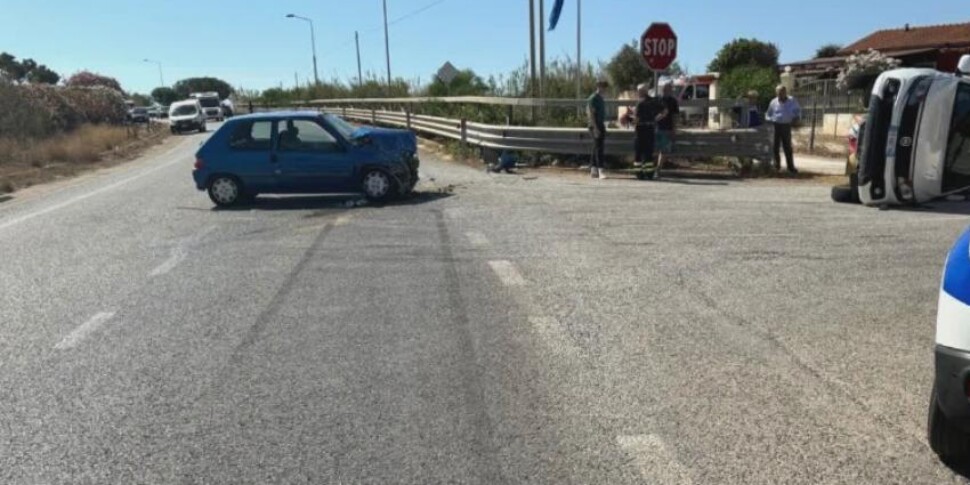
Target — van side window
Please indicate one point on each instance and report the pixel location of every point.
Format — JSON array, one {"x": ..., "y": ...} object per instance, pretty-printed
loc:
[
  {"x": 956, "y": 173},
  {"x": 252, "y": 135}
]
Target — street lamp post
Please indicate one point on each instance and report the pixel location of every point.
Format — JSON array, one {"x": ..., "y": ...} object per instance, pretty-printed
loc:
[
  {"x": 161, "y": 79},
  {"x": 313, "y": 44}
]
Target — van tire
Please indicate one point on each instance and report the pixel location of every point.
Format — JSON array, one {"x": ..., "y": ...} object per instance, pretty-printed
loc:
[
  {"x": 845, "y": 194},
  {"x": 202, "y": 128},
  {"x": 950, "y": 443}
]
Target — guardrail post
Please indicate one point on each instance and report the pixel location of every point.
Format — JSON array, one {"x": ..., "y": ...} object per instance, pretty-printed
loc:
[
  {"x": 345, "y": 111},
  {"x": 407, "y": 116},
  {"x": 373, "y": 115},
  {"x": 508, "y": 115},
  {"x": 464, "y": 132}
]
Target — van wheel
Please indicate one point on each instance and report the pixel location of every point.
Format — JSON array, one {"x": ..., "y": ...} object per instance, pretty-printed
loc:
[
  {"x": 845, "y": 194},
  {"x": 950, "y": 443},
  {"x": 225, "y": 190},
  {"x": 202, "y": 128},
  {"x": 377, "y": 186}
]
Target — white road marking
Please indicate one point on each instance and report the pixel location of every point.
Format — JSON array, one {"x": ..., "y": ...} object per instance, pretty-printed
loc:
[
  {"x": 17, "y": 220},
  {"x": 507, "y": 273},
  {"x": 86, "y": 328},
  {"x": 179, "y": 252},
  {"x": 657, "y": 464},
  {"x": 477, "y": 238},
  {"x": 553, "y": 334}
]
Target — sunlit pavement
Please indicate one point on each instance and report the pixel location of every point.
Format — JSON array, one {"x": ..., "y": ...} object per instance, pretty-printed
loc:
[{"x": 491, "y": 329}]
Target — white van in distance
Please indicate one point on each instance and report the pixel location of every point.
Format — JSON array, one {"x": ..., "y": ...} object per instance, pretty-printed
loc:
[
  {"x": 186, "y": 116},
  {"x": 211, "y": 105}
]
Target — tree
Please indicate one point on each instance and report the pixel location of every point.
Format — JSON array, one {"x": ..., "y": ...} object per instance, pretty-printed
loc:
[
  {"x": 740, "y": 80},
  {"x": 43, "y": 75},
  {"x": 745, "y": 52},
  {"x": 88, "y": 79},
  {"x": 27, "y": 70},
  {"x": 466, "y": 83},
  {"x": 828, "y": 50},
  {"x": 861, "y": 70},
  {"x": 165, "y": 95},
  {"x": 10, "y": 68},
  {"x": 191, "y": 85},
  {"x": 141, "y": 99},
  {"x": 626, "y": 69}
]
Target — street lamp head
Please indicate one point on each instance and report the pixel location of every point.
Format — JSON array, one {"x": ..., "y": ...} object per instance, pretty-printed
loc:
[{"x": 289, "y": 15}]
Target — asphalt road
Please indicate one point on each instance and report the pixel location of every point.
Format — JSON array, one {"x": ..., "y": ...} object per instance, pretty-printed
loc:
[{"x": 493, "y": 329}]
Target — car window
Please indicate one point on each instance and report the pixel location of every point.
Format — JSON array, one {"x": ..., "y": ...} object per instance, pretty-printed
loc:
[
  {"x": 184, "y": 110},
  {"x": 252, "y": 135},
  {"x": 305, "y": 136},
  {"x": 957, "y": 169}
]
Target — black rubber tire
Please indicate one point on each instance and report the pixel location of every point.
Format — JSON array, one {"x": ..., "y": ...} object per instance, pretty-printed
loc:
[
  {"x": 202, "y": 128},
  {"x": 377, "y": 197},
  {"x": 220, "y": 201},
  {"x": 950, "y": 443},
  {"x": 844, "y": 194}
]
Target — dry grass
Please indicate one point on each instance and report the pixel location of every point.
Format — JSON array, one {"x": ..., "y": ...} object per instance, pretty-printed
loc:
[{"x": 26, "y": 162}]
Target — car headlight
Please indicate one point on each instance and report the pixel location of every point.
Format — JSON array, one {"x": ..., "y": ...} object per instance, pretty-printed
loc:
[{"x": 905, "y": 188}]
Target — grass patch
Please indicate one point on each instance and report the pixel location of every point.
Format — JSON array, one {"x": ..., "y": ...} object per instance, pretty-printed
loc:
[{"x": 25, "y": 162}]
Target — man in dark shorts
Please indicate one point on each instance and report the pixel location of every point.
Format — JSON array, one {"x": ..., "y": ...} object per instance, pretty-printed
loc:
[
  {"x": 666, "y": 126},
  {"x": 596, "y": 114},
  {"x": 647, "y": 113}
]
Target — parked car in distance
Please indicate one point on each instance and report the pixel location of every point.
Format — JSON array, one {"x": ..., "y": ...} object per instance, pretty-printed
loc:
[
  {"x": 186, "y": 116},
  {"x": 138, "y": 115},
  {"x": 154, "y": 111},
  {"x": 304, "y": 153},
  {"x": 916, "y": 143},
  {"x": 948, "y": 416}
]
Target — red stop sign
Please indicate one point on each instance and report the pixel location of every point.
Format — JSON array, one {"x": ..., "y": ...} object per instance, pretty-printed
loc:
[{"x": 658, "y": 46}]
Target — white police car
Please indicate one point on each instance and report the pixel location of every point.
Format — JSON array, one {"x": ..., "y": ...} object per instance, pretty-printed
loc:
[{"x": 949, "y": 412}]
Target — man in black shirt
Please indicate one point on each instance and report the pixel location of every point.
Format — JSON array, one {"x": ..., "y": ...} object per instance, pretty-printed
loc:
[
  {"x": 666, "y": 126},
  {"x": 647, "y": 113}
]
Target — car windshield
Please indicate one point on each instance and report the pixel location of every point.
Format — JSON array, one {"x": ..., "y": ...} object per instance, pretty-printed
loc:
[
  {"x": 209, "y": 102},
  {"x": 342, "y": 126},
  {"x": 184, "y": 110},
  {"x": 141, "y": 111}
]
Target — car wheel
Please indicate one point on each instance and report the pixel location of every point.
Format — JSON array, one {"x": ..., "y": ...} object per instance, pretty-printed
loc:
[
  {"x": 202, "y": 128},
  {"x": 225, "y": 191},
  {"x": 377, "y": 186},
  {"x": 844, "y": 194},
  {"x": 172, "y": 129},
  {"x": 946, "y": 440}
]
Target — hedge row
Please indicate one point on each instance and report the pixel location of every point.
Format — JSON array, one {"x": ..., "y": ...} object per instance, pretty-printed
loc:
[{"x": 38, "y": 110}]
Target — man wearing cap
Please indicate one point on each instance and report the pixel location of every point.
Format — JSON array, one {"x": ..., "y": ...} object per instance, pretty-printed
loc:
[
  {"x": 596, "y": 113},
  {"x": 782, "y": 113}
]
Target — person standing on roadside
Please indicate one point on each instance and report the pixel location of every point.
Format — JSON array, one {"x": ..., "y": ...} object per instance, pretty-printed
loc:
[
  {"x": 666, "y": 125},
  {"x": 596, "y": 114},
  {"x": 647, "y": 113},
  {"x": 783, "y": 112}
]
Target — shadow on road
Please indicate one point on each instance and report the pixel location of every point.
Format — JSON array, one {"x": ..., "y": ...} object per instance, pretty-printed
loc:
[
  {"x": 319, "y": 202},
  {"x": 691, "y": 181},
  {"x": 941, "y": 207},
  {"x": 4, "y": 198}
]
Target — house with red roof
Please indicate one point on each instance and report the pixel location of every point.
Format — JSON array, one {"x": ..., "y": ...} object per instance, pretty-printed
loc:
[{"x": 933, "y": 46}]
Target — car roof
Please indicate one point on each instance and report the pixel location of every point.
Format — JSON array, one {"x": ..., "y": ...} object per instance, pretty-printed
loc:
[{"x": 277, "y": 115}]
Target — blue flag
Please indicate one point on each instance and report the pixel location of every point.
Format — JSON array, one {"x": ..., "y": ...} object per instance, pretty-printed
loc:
[{"x": 556, "y": 12}]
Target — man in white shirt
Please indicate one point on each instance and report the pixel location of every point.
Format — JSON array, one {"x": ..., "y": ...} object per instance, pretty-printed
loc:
[{"x": 782, "y": 113}]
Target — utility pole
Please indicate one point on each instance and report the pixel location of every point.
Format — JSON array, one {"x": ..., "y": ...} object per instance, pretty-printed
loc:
[
  {"x": 296, "y": 80},
  {"x": 532, "y": 48},
  {"x": 579, "y": 49},
  {"x": 360, "y": 75},
  {"x": 387, "y": 50},
  {"x": 542, "y": 48}
]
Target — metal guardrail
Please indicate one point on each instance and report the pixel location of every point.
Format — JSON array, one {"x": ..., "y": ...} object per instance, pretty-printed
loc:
[{"x": 747, "y": 143}]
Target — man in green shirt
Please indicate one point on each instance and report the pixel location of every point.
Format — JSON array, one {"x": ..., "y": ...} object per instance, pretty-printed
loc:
[{"x": 596, "y": 114}]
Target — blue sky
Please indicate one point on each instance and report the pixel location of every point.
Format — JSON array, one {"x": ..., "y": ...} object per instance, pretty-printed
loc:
[{"x": 251, "y": 43}]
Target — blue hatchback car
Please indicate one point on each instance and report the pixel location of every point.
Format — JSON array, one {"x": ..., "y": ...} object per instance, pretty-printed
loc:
[{"x": 304, "y": 153}]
